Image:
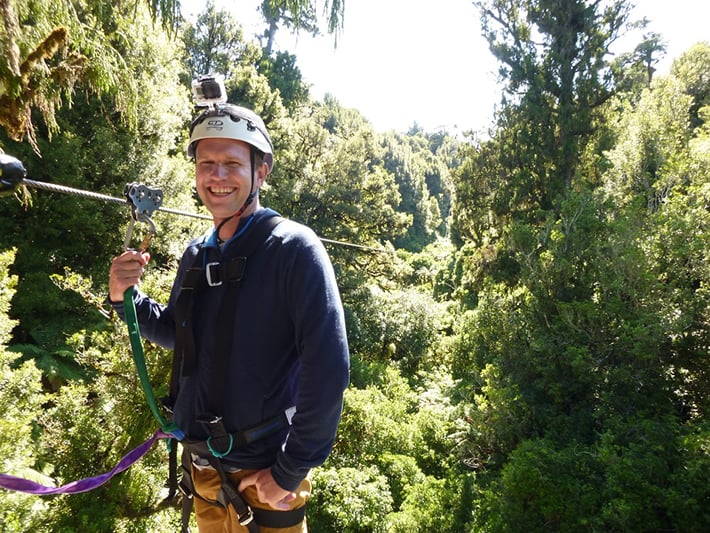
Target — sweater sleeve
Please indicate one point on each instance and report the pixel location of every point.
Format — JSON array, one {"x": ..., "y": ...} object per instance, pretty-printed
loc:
[
  {"x": 316, "y": 309},
  {"x": 155, "y": 320}
]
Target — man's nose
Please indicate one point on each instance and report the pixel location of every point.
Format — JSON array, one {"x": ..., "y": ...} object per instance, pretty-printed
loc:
[{"x": 220, "y": 170}]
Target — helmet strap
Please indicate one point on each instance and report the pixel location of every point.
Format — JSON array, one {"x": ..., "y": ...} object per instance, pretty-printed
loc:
[
  {"x": 252, "y": 192},
  {"x": 249, "y": 199}
]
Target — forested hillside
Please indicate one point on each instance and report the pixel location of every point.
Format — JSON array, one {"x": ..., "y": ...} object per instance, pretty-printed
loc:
[{"x": 528, "y": 311}]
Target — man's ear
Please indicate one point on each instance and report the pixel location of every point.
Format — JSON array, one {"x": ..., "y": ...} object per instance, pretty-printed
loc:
[{"x": 262, "y": 173}]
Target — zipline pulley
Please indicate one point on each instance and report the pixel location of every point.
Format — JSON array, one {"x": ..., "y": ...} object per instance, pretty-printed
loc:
[{"x": 144, "y": 201}]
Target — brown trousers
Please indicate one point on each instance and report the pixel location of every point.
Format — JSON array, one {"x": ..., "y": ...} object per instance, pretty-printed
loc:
[{"x": 215, "y": 519}]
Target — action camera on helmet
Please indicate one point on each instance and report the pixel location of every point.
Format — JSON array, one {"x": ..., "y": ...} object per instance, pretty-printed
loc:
[{"x": 209, "y": 91}]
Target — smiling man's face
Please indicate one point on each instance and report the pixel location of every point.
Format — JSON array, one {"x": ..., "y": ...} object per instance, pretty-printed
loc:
[{"x": 223, "y": 176}]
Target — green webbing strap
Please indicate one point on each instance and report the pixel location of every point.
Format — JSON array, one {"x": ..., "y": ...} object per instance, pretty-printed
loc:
[{"x": 129, "y": 308}]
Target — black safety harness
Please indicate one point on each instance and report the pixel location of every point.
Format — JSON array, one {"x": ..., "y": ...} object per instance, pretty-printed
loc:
[{"x": 200, "y": 276}]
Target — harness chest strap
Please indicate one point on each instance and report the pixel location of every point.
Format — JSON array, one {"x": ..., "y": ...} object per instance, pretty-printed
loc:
[
  {"x": 235, "y": 270},
  {"x": 213, "y": 274}
]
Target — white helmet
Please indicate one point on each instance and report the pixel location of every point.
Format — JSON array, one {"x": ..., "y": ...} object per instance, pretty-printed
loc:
[{"x": 229, "y": 121}]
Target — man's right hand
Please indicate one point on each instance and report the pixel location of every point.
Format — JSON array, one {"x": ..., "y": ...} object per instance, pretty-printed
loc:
[{"x": 126, "y": 271}]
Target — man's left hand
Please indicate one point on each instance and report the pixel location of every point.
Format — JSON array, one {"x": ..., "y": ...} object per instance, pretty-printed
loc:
[{"x": 267, "y": 490}]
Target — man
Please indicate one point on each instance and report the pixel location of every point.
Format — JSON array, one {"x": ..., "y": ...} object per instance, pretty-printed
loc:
[{"x": 257, "y": 323}]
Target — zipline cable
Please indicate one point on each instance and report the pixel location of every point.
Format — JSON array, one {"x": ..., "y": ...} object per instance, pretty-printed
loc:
[
  {"x": 103, "y": 197},
  {"x": 97, "y": 196},
  {"x": 13, "y": 174}
]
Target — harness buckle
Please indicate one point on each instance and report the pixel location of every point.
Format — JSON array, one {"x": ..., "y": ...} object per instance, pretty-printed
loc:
[
  {"x": 216, "y": 281},
  {"x": 246, "y": 518}
]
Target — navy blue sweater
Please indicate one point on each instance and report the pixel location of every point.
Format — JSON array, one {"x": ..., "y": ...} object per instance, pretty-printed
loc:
[{"x": 289, "y": 348}]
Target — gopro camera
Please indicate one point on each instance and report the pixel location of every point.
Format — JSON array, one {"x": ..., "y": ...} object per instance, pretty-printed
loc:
[{"x": 208, "y": 90}]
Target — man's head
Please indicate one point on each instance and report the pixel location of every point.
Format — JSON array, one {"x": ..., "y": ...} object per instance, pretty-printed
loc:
[
  {"x": 233, "y": 155},
  {"x": 229, "y": 121}
]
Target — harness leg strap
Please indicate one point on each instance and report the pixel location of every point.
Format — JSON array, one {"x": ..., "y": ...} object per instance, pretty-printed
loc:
[{"x": 229, "y": 495}]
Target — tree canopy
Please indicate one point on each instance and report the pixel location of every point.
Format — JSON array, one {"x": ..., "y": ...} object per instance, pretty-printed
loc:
[{"x": 528, "y": 312}]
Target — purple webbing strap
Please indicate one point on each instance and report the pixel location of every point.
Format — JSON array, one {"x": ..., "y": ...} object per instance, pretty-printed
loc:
[{"x": 82, "y": 485}]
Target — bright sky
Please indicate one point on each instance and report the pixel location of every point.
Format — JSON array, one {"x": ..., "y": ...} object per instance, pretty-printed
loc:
[{"x": 403, "y": 61}]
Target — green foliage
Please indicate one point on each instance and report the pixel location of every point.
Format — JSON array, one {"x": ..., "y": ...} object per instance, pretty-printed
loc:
[
  {"x": 482, "y": 198},
  {"x": 87, "y": 425},
  {"x": 90, "y": 426},
  {"x": 57, "y": 367},
  {"x": 634, "y": 71},
  {"x": 8, "y": 283},
  {"x": 543, "y": 488},
  {"x": 372, "y": 421},
  {"x": 414, "y": 165},
  {"x": 586, "y": 370},
  {"x": 330, "y": 179},
  {"x": 434, "y": 505},
  {"x": 692, "y": 69},
  {"x": 545, "y": 369},
  {"x": 285, "y": 76},
  {"x": 168, "y": 11},
  {"x": 626, "y": 481},
  {"x": 638, "y": 456},
  {"x": 252, "y": 90},
  {"x": 327, "y": 176},
  {"x": 394, "y": 441},
  {"x": 98, "y": 151},
  {"x": 432, "y": 269},
  {"x": 402, "y": 473},
  {"x": 300, "y": 15},
  {"x": 351, "y": 500},
  {"x": 214, "y": 42},
  {"x": 21, "y": 402},
  {"x": 401, "y": 325},
  {"x": 297, "y": 16},
  {"x": 688, "y": 494},
  {"x": 53, "y": 50},
  {"x": 650, "y": 135},
  {"x": 556, "y": 84}
]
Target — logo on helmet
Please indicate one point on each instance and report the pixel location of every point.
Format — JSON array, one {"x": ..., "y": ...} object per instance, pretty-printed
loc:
[{"x": 215, "y": 124}]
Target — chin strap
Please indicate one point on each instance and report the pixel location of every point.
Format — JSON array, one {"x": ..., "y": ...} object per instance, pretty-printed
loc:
[{"x": 247, "y": 202}]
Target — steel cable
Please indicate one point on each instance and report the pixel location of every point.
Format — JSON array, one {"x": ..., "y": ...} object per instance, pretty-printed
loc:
[{"x": 103, "y": 197}]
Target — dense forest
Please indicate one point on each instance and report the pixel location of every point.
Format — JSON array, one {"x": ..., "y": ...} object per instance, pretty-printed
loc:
[{"x": 528, "y": 309}]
